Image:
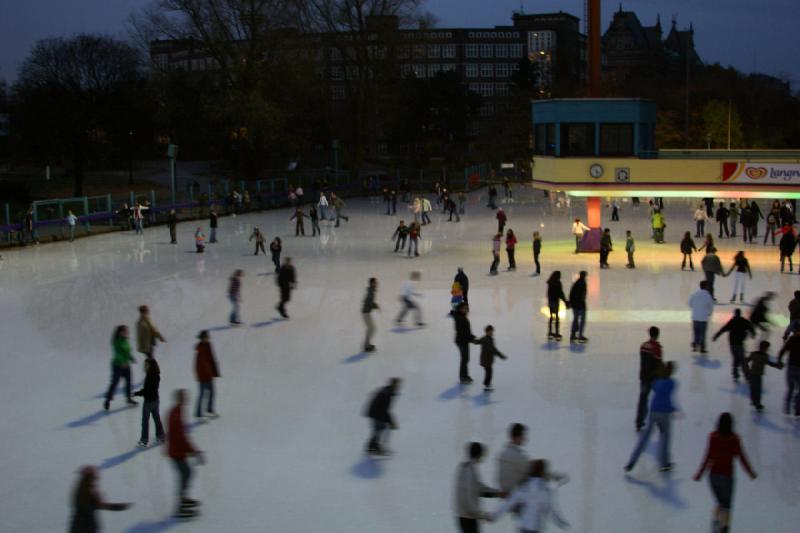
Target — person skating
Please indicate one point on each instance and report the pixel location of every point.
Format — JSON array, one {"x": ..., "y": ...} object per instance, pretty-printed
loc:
[
  {"x": 199, "y": 240},
  {"x": 501, "y": 220},
  {"x": 463, "y": 339},
  {"x": 260, "y": 239},
  {"x": 742, "y": 267},
  {"x": 399, "y": 236},
  {"x": 614, "y": 211},
  {"x": 393, "y": 195},
  {"x": 87, "y": 500},
  {"x": 755, "y": 364},
  {"x": 206, "y": 370},
  {"x": 511, "y": 243},
  {"x": 147, "y": 335},
  {"x": 179, "y": 450},
  {"x": 407, "y": 295},
  {"x": 378, "y": 410},
  {"x": 747, "y": 219},
  {"x": 488, "y": 353},
  {"x": 72, "y": 220},
  {"x": 650, "y": 361},
  {"x": 312, "y": 214},
  {"x": 287, "y": 281},
  {"x": 606, "y": 247},
  {"x": 630, "y": 248},
  {"x": 555, "y": 294},
  {"x": 708, "y": 244},
  {"x": 462, "y": 279},
  {"x": 138, "y": 218},
  {"x": 700, "y": 221},
  {"x": 794, "y": 316},
  {"x": 659, "y": 224},
  {"x": 687, "y": 247},
  {"x": 387, "y": 199},
  {"x": 773, "y": 219},
  {"x": 723, "y": 447},
  {"x": 496, "y": 242},
  {"x": 661, "y": 411},
  {"x": 578, "y": 229},
  {"x": 577, "y": 302},
  {"x": 722, "y": 218},
  {"x": 513, "y": 465},
  {"x": 298, "y": 216},
  {"x": 453, "y": 209},
  {"x": 759, "y": 314},
  {"x": 537, "y": 250},
  {"x": 469, "y": 489},
  {"x": 413, "y": 238},
  {"x": 367, "y": 307},
  {"x": 235, "y": 296},
  {"x": 535, "y": 501},
  {"x": 702, "y": 305},
  {"x": 338, "y": 207},
  {"x": 492, "y": 193},
  {"x": 426, "y": 209},
  {"x": 733, "y": 218},
  {"x": 738, "y": 328},
  {"x": 786, "y": 245},
  {"x": 172, "y": 224},
  {"x": 712, "y": 267},
  {"x": 323, "y": 206},
  {"x": 149, "y": 394},
  {"x": 120, "y": 365},
  {"x": 462, "y": 201},
  {"x": 213, "y": 223},
  {"x": 792, "y": 346},
  {"x": 275, "y": 248}
]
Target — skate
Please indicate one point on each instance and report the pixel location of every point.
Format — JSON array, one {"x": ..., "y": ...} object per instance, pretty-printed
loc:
[
  {"x": 369, "y": 348},
  {"x": 582, "y": 339},
  {"x": 186, "y": 513},
  {"x": 667, "y": 468},
  {"x": 189, "y": 503},
  {"x": 557, "y": 337},
  {"x": 488, "y": 389},
  {"x": 131, "y": 401},
  {"x": 106, "y": 405},
  {"x": 141, "y": 444}
]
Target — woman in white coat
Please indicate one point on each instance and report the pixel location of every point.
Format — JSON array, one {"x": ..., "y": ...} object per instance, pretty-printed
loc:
[{"x": 537, "y": 501}]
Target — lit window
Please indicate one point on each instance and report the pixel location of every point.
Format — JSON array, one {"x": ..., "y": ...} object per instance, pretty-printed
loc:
[
  {"x": 472, "y": 70},
  {"x": 501, "y": 50},
  {"x": 449, "y": 51},
  {"x": 472, "y": 50},
  {"x": 487, "y": 70},
  {"x": 486, "y": 50}
]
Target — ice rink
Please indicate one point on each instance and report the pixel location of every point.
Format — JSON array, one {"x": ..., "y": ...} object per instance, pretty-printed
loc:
[{"x": 286, "y": 455}]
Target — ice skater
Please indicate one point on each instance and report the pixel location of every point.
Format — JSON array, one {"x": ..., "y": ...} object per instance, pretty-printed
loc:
[
  {"x": 738, "y": 329},
  {"x": 462, "y": 279},
  {"x": 463, "y": 339},
  {"x": 287, "y": 281},
  {"x": 614, "y": 211},
  {"x": 213, "y": 223},
  {"x": 786, "y": 245},
  {"x": 794, "y": 316},
  {"x": 338, "y": 207},
  {"x": 687, "y": 247},
  {"x": 120, "y": 365},
  {"x": 378, "y": 410},
  {"x": 755, "y": 363},
  {"x": 323, "y": 206},
  {"x": 399, "y": 236},
  {"x": 792, "y": 346},
  {"x": 260, "y": 239},
  {"x": 606, "y": 247},
  {"x": 659, "y": 224},
  {"x": 700, "y": 221},
  {"x": 314, "y": 217},
  {"x": 206, "y": 371},
  {"x": 452, "y": 209},
  {"x": 413, "y": 238},
  {"x": 367, "y": 307},
  {"x": 275, "y": 248},
  {"x": 743, "y": 272},
  {"x": 511, "y": 243},
  {"x": 577, "y": 302},
  {"x": 537, "y": 251},
  {"x": 407, "y": 297},
  {"x": 722, "y": 218},
  {"x": 555, "y": 295},
  {"x": 502, "y": 218},
  {"x": 298, "y": 216},
  {"x": 630, "y": 248},
  {"x": 723, "y": 447},
  {"x": 488, "y": 353},
  {"x": 138, "y": 218},
  {"x": 179, "y": 450},
  {"x": 534, "y": 500},
  {"x": 662, "y": 409},
  {"x": 759, "y": 315},
  {"x": 200, "y": 240},
  {"x": 235, "y": 296},
  {"x": 650, "y": 362},
  {"x": 72, "y": 220},
  {"x": 578, "y": 229},
  {"x": 147, "y": 335},
  {"x": 513, "y": 465},
  {"x": 702, "y": 305},
  {"x": 426, "y": 208},
  {"x": 496, "y": 241},
  {"x": 86, "y": 501},
  {"x": 149, "y": 394},
  {"x": 712, "y": 267},
  {"x": 469, "y": 489}
]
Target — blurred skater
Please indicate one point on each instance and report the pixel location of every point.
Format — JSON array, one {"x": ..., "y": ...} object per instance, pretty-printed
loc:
[
  {"x": 378, "y": 410},
  {"x": 235, "y": 296},
  {"x": 488, "y": 353},
  {"x": 149, "y": 394},
  {"x": 206, "y": 370},
  {"x": 287, "y": 281},
  {"x": 147, "y": 335},
  {"x": 120, "y": 365},
  {"x": 367, "y": 307},
  {"x": 738, "y": 328},
  {"x": 179, "y": 450},
  {"x": 275, "y": 248},
  {"x": 86, "y": 501},
  {"x": 555, "y": 295},
  {"x": 407, "y": 295},
  {"x": 258, "y": 236},
  {"x": 577, "y": 302},
  {"x": 469, "y": 489},
  {"x": 535, "y": 499},
  {"x": 537, "y": 250}
]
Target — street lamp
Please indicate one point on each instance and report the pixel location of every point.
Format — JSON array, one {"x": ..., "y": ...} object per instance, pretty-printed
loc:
[
  {"x": 708, "y": 141},
  {"x": 130, "y": 157}
]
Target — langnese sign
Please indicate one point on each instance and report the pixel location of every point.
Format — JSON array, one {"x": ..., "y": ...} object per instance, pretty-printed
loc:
[{"x": 761, "y": 173}]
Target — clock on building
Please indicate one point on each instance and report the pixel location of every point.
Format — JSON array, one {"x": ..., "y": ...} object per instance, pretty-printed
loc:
[{"x": 596, "y": 170}]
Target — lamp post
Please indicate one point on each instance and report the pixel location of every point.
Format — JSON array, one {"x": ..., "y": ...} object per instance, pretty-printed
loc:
[{"x": 130, "y": 157}]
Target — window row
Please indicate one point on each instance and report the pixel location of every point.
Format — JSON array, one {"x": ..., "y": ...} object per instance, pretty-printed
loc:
[
  {"x": 489, "y": 89},
  {"x": 427, "y": 71},
  {"x": 513, "y": 50},
  {"x": 488, "y": 70},
  {"x": 493, "y": 35}
]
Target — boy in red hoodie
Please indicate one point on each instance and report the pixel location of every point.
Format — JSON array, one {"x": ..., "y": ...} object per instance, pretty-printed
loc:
[{"x": 179, "y": 449}]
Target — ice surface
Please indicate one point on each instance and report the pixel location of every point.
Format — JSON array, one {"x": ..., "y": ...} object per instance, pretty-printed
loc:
[{"x": 286, "y": 454}]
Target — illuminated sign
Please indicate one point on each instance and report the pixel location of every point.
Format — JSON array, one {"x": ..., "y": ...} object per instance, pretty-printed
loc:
[{"x": 761, "y": 173}]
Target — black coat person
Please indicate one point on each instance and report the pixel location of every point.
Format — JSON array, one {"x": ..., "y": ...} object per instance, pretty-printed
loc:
[
  {"x": 463, "y": 281},
  {"x": 286, "y": 282},
  {"x": 378, "y": 409}
]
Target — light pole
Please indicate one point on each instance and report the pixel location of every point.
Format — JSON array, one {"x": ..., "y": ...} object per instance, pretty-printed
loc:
[{"x": 130, "y": 157}]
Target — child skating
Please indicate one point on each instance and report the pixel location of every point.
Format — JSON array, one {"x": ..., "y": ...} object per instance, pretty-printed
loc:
[{"x": 488, "y": 353}]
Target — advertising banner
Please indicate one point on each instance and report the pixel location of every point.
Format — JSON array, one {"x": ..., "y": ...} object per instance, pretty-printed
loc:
[{"x": 761, "y": 173}]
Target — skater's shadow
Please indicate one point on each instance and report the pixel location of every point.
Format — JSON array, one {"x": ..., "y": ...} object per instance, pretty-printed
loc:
[
  {"x": 402, "y": 329},
  {"x": 705, "y": 362},
  {"x": 102, "y": 395},
  {"x": 367, "y": 468},
  {"x": 221, "y": 328},
  {"x": 738, "y": 388},
  {"x": 551, "y": 346},
  {"x": 667, "y": 492},
  {"x": 577, "y": 348},
  {"x": 94, "y": 417},
  {"x": 266, "y": 323},
  {"x": 766, "y": 423},
  {"x": 355, "y": 358},
  {"x": 266, "y": 274},
  {"x": 452, "y": 393},
  {"x": 484, "y": 399},
  {"x": 153, "y": 527},
  {"x": 117, "y": 460}
]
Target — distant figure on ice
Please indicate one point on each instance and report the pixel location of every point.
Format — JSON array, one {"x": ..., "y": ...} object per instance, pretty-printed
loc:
[
  {"x": 275, "y": 248},
  {"x": 72, "y": 220},
  {"x": 742, "y": 267},
  {"x": 724, "y": 446},
  {"x": 213, "y": 222},
  {"x": 298, "y": 216},
  {"x": 338, "y": 207},
  {"x": 414, "y": 233},
  {"x": 496, "y": 242},
  {"x": 464, "y": 338},
  {"x": 701, "y": 304},
  {"x": 206, "y": 371},
  {"x": 407, "y": 297},
  {"x": 537, "y": 250},
  {"x": 513, "y": 464},
  {"x": 378, "y": 410},
  {"x": 286, "y": 283},
  {"x": 149, "y": 394},
  {"x": 399, "y": 236},
  {"x": 120, "y": 365},
  {"x": 511, "y": 243},
  {"x": 312, "y": 214},
  {"x": 606, "y": 247},
  {"x": 199, "y": 240},
  {"x": 630, "y": 248},
  {"x": 755, "y": 363},
  {"x": 792, "y": 346},
  {"x": 738, "y": 329},
  {"x": 179, "y": 449},
  {"x": 687, "y": 247},
  {"x": 147, "y": 335},
  {"x": 650, "y": 361},
  {"x": 172, "y": 223},
  {"x": 712, "y": 267},
  {"x": 469, "y": 489},
  {"x": 578, "y": 229},
  {"x": 260, "y": 240},
  {"x": 700, "y": 221},
  {"x": 235, "y": 296},
  {"x": 577, "y": 302},
  {"x": 86, "y": 501},
  {"x": 501, "y": 220},
  {"x": 367, "y": 308},
  {"x": 555, "y": 295},
  {"x": 323, "y": 206},
  {"x": 462, "y": 279},
  {"x": 488, "y": 353}
]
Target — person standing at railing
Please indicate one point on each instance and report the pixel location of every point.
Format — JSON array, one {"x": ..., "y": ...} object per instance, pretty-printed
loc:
[
  {"x": 71, "y": 221},
  {"x": 138, "y": 218}
]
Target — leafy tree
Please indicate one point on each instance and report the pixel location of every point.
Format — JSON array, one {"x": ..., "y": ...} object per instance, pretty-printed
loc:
[
  {"x": 76, "y": 96},
  {"x": 720, "y": 118}
]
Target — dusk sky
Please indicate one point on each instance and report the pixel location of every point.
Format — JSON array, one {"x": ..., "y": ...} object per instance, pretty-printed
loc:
[{"x": 762, "y": 36}]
